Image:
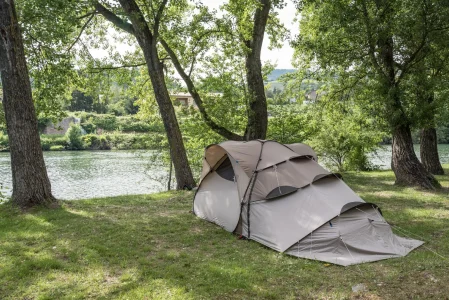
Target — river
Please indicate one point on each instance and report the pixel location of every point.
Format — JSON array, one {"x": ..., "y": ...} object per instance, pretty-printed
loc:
[{"x": 89, "y": 174}]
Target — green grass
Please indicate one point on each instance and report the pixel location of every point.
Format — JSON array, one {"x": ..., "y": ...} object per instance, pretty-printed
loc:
[{"x": 151, "y": 247}]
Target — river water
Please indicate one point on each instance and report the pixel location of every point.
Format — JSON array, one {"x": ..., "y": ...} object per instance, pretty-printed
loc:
[{"x": 89, "y": 174}]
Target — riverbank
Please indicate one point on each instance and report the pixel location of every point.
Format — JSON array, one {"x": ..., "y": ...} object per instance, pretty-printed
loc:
[
  {"x": 105, "y": 141},
  {"x": 150, "y": 246}
]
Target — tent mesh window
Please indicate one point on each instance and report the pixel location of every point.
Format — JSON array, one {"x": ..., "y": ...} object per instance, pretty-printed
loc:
[
  {"x": 281, "y": 191},
  {"x": 225, "y": 170}
]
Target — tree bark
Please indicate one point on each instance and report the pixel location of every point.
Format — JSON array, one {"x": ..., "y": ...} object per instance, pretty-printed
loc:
[
  {"x": 429, "y": 151},
  {"x": 257, "y": 113},
  {"x": 183, "y": 173},
  {"x": 405, "y": 163},
  {"x": 147, "y": 41},
  {"x": 31, "y": 185}
]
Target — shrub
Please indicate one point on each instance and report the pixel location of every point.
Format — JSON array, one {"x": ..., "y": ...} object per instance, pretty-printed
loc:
[
  {"x": 42, "y": 123},
  {"x": 89, "y": 127},
  {"x": 4, "y": 142},
  {"x": 96, "y": 142},
  {"x": 105, "y": 122},
  {"x": 129, "y": 124},
  {"x": 57, "y": 148},
  {"x": 74, "y": 137},
  {"x": 47, "y": 141}
]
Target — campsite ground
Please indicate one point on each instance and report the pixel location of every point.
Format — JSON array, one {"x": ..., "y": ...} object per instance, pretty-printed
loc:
[{"x": 151, "y": 247}]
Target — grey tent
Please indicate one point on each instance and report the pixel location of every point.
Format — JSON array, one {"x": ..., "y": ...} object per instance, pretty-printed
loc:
[{"x": 279, "y": 196}]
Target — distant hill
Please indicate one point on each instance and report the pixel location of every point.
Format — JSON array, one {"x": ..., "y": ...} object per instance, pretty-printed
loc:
[{"x": 278, "y": 73}]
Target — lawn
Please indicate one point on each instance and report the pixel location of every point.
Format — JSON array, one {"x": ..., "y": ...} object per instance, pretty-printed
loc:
[{"x": 152, "y": 247}]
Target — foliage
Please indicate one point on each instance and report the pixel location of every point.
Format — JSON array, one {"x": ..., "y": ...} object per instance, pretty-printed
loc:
[
  {"x": 2, "y": 118},
  {"x": 164, "y": 252},
  {"x": 4, "y": 141},
  {"x": 80, "y": 102},
  {"x": 378, "y": 45},
  {"x": 132, "y": 124},
  {"x": 57, "y": 148},
  {"x": 42, "y": 122},
  {"x": 74, "y": 137},
  {"x": 197, "y": 136},
  {"x": 343, "y": 133},
  {"x": 105, "y": 122},
  {"x": 95, "y": 142},
  {"x": 108, "y": 122},
  {"x": 49, "y": 141},
  {"x": 89, "y": 126},
  {"x": 48, "y": 40},
  {"x": 289, "y": 123}
]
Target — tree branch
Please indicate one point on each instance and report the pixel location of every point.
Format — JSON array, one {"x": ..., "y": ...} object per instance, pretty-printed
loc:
[
  {"x": 81, "y": 32},
  {"x": 260, "y": 22},
  {"x": 157, "y": 19},
  {"x": 87, "y": 15},
  {"x": 113, "y": 18},
  {"x": 371, "y": 47},
  {"x": 197, "y": 98}
]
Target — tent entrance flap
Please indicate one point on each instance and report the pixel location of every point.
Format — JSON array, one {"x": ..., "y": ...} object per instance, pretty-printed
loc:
[{"x": 225, "y": 170}]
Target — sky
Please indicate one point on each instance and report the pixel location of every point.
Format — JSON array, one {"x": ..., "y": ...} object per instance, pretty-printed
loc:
[{"x": 281, "y": 57}]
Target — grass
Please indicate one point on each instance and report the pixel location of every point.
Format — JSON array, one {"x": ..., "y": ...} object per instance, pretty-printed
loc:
[{"x": 152, "y": 247}]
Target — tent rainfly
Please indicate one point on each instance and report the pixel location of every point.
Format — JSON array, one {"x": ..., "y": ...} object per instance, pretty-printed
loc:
[{"x": 279, "y": 196}]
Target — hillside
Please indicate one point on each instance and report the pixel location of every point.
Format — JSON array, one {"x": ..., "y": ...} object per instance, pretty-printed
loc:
[{"x": 278, "y": 73}]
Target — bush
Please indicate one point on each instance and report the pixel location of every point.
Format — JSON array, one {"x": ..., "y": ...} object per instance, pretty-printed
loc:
[
  {"x": 344, "y": 138},
  {"x": 74, "y": 137},
  {"x": 105, "y": 122},
  {"x": 4, "y": 142},
  {"x": 129, "y": 124},
  {"x": 47, "y": 141},
  {"x": 2, "y": 118},
  {"x": 57, "y": 148},
  {"x": 89, "y": 127},
  {"x": 42, "y": 123},
  {"x": 96, "y": 142}
]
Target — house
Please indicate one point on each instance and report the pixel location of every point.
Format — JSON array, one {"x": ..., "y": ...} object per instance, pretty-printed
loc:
[
  {"x": 184, "y": 98},
  {"x": 187, "y": 100}
]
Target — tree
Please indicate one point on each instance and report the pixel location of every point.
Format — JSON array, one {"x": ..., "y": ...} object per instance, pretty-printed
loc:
[
  {"x": 31, "y": 185},
  {"x": 80, "y": 102},
  {"x": 382, "y": 41},
  {"x": 257, "y": 113},
  {"x": 430, "y": 82},
  {"x": 147, "y": 36},
  {"x": 244, "y": 25}
]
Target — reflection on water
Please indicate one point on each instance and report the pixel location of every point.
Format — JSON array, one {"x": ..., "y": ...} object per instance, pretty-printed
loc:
[{"x": 89, "y": 174}]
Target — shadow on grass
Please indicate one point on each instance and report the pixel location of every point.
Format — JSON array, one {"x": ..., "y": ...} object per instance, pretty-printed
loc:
[{"x": 151, "y": 246}]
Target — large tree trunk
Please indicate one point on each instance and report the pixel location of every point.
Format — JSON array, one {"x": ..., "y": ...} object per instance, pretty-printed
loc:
[
  {"x": 148, "y": 41},
  {"x": 183, "y": 173},
  {"x": 405, "y": 163},
  {"x": 257, "y": 113},
  {"x": 429, "y": 151},
  {"x": 31, "y": 185}
]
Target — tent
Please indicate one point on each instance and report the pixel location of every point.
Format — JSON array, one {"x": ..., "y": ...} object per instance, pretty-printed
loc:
[{"x": 279, "y": 196}]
